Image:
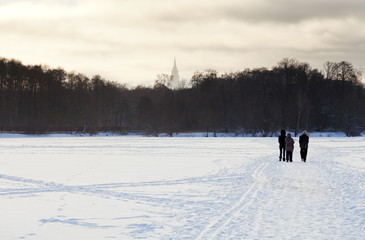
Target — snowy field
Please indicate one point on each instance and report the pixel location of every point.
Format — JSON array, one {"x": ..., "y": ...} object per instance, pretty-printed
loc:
[{"x": 63, "y": 187}]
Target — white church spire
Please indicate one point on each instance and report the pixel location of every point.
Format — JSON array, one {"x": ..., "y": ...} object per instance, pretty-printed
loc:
[{"x": 175, "y": 76}]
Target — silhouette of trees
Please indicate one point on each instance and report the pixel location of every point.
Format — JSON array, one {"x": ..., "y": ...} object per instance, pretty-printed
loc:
[
  {"x": 39, "y": 99},
  {"x": 291, "y": 95}
]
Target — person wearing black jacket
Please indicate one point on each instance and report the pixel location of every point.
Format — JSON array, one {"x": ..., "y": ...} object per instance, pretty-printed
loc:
[
  {"x": 281, "y": 140},
  {"x": 303, "y": 143}
]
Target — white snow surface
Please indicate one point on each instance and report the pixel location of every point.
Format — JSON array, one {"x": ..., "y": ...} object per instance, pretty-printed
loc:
[{"x": 132, "y": 187}]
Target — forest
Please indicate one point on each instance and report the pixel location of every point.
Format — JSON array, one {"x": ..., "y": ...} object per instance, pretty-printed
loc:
[{"x": 292, "y": 95}]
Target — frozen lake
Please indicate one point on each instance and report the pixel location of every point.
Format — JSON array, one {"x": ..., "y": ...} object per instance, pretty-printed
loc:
[{"x": 180, "y": 188}]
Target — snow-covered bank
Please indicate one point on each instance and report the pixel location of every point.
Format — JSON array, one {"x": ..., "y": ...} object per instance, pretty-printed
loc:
[
  {"x": 180, "y": 188},
  {"x": 192, "y": 134}
]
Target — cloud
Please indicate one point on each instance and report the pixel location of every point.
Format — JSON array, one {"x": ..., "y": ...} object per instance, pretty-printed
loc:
[
  {"x": 134, "y": 40},
  {"x": 284, "y": 11},
  {"x": 280, "y": 11}
]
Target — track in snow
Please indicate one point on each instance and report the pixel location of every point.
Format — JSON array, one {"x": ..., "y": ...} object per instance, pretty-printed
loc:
[
  {"x": 218, "y": 224},
  {"x": 249, "y": 195}
]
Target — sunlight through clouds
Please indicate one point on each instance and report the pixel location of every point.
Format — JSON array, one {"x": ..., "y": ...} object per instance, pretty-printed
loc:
[{"x": 132, "y": 41}]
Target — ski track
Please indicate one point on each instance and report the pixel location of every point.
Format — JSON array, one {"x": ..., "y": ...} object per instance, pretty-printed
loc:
[
  {"x": 219, "y": 223},
  {"x": 301, "y": 190},
  {"x": 265, "y": 199},
  {"x": 31, "y": 186}
]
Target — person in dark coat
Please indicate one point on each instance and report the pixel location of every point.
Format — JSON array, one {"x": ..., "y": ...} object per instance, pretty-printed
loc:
[
  {"x": 281, "y": 140},
  {"x": 303, "y": 144},
  {"x": 289, "y": 146}
]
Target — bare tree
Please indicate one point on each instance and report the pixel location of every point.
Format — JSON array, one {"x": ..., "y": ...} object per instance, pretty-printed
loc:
[
  {"x": 330, "y": 70},
  {"x": 163, "y": 79},
  {"x": 301, "y": 102},
  {"x": 346, "y": 72}
]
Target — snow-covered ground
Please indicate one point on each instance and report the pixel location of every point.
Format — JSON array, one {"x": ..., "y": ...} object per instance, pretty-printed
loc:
[{"x": 179, "y": 188}]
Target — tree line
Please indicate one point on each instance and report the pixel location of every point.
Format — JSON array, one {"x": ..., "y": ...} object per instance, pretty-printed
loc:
[{"x": 291, "y": 95}]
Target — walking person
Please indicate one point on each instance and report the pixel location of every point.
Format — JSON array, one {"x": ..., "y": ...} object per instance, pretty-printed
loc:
[
  {"x": 303, "y": 144},
  {"x": 281, "y": 140},
  {"x": 289, "y": 146}
]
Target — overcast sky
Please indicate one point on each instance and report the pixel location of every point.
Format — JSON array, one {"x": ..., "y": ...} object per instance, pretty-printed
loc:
[{"x": 131, "y": 41}]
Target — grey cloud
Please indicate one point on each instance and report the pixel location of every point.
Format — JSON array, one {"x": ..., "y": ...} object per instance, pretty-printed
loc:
[
  {"x": 296, "y": 11},
  {"x": 285, "y": 11},
  {"x": 137, "y": 33}
]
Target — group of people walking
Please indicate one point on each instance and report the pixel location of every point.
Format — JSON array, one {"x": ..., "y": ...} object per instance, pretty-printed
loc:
[{"x": 286, "y": 146}]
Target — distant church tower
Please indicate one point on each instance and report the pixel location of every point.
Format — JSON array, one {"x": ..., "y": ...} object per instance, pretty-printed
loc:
[{"x": 175, "y": 76}]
